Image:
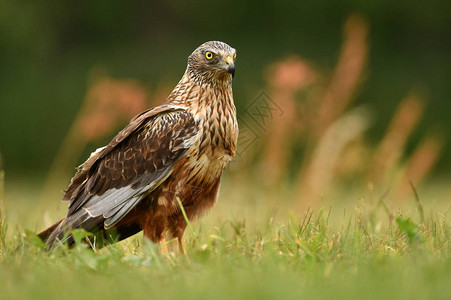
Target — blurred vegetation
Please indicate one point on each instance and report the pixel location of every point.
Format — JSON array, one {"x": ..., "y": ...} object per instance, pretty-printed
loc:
[
  {"x": 53, "y": 51},
  {"x": 367, "y": 250}
]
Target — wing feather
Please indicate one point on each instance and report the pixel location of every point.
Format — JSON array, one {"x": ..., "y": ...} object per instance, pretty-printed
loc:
[
  {"x": 84, "y": 170},
  {"x": 115, "y": 178}
]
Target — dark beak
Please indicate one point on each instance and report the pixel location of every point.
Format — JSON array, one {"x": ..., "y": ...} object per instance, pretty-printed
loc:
[{"x": 231, "y": 69}]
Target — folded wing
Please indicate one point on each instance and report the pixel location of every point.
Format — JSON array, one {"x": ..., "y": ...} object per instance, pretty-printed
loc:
[{"x": 115, "y": 178}]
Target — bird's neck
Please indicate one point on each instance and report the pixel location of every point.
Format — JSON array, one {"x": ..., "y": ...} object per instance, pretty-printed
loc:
[
  {"x": 215, "y": 113},
  {"x": 198, "y": 96}
]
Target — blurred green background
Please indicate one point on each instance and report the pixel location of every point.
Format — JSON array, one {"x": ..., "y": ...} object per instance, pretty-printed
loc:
[{"x": 48, "y": 50}]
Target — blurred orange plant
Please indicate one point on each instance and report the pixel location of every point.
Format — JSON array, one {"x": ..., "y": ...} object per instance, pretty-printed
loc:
[{"x": 318, "y": 118}]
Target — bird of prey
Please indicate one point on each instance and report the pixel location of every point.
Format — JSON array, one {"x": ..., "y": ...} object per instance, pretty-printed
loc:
[{"x": 177, "y": 150}]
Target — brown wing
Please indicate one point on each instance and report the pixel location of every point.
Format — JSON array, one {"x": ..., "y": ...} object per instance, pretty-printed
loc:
[
  {"x": 113, "y": 180},
  {"x": 84, "y": 170}
]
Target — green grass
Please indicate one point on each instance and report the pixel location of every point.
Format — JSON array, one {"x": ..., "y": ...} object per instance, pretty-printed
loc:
[{"x": 365, "y": 252}]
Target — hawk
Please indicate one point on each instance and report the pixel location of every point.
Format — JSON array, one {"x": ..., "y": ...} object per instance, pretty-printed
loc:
[{"x": 175, "y": 151}]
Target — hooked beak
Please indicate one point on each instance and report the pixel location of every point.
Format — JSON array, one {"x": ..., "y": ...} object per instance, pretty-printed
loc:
[
  {"x": 231, "y": 69},
  {"x": 230, "y": 66}
]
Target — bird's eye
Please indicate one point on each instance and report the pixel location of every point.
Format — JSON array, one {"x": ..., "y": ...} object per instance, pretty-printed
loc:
[
  {"x": 234, "y": 56},
  {"x": 209, "y": 55}
]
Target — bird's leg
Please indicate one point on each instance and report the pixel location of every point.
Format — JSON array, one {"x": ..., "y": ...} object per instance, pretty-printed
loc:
[
  {"x": 171, "y": 245},
  {"x": 164, "y": 247},
  {"x": 176, "y": 230},
  {"x": 179, "y": 235},
  {"x": 154, "y": 230},
  {"x": 181, "y": 249}
]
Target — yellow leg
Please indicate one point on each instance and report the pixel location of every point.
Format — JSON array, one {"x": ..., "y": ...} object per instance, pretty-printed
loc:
[
  {"x": 170, "y": 246},
  {"x": 182, "y": 250},
  {"x": 164, "y": 246}
]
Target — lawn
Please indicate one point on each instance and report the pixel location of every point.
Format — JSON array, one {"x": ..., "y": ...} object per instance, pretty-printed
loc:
[{"x": 245, "y": 250}]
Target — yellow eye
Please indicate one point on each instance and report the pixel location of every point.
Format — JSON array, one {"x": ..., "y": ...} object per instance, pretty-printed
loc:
[
  {"x": 234, "y": 56},
  {"x": 209, "y": 55}
]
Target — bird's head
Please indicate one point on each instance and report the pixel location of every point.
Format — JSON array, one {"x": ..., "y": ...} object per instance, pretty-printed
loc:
[{"x": 212, "y": 62}]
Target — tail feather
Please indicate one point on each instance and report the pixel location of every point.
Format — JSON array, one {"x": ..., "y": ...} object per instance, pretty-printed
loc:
[
  {"x": 45, "y": 234},
  {"x": 59, "y": 233}
]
